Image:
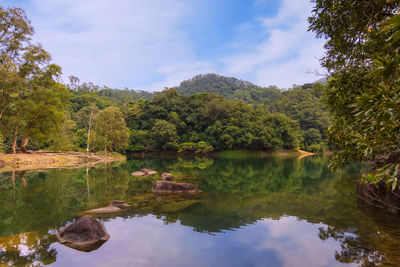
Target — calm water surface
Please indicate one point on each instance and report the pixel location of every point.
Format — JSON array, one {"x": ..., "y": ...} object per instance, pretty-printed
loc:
[{"x": 255, "y": 211}]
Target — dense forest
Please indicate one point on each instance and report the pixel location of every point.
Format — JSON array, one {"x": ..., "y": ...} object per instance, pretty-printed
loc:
[
  {"x": 229, "y": 87},
  {"x": 208, "y": 112}
]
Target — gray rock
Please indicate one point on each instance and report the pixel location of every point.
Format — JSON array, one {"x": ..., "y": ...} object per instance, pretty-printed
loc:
[
  {"x": 85, "y": 234},
  {"x": 144, "y": 172},
  {"x": 167, "y": 176},
  {"x": 167, "y": 187}
]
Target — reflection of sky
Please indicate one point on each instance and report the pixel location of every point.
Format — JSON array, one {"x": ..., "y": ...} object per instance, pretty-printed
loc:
[{"x": 147, "y": 241}]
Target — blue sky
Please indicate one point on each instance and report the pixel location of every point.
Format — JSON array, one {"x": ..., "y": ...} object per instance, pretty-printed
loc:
[{"x": 152, "y": 44}]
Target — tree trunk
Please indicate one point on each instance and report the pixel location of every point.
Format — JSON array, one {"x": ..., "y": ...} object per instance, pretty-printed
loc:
[
  {"x": 88, "y": 140},
  {"x": 88, "y": 135},
  {"x": 12, "y": 178},
  {"x": 3, "y": 105},
  {"x": 14, "y": 144},
  {"x": 22, "y": 179},
  {"x": 24, "y": 143}
]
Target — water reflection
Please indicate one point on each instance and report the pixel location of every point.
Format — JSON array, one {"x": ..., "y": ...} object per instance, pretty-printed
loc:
[
  {"x": 255, "y": 211},
  {"x": 149, "y": 242},
  {"x": 27, "y": 248}
]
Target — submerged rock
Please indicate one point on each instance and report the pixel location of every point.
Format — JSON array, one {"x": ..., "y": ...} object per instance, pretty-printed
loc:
[
  {"x": 149, "y": 172},
  {"x": 167, "y": 176},
  {"x": 144, "y": 172},
  {"x": 85, "y": 234},
  {"x": 115, "y": 206},
  {"x": 138, "y": 173},
  {"x": 119, "y": 204},
  {"x": 167, "y": 187},
  {"x": 379, "y": 195},
  {"x": 103, "y": 210}
]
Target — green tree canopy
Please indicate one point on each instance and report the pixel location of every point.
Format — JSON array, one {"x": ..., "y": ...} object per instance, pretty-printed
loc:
[
  {"x": 110, "y": 132},
  {"x": 363, "y": 60}
]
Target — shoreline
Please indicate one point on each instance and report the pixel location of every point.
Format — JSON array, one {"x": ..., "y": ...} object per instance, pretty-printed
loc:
[
  {"x": 54, "y": 160},
  {"x": 68, "y": 160},
  {"x": 284, "y": 153}
]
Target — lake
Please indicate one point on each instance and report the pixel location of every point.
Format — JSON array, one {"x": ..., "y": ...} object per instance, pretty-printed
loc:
[{"x": 255, "y": 210}]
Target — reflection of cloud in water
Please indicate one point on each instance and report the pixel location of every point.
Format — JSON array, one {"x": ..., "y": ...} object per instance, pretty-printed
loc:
[
  {"x": 147, "y": 241},
  {"x": 297, "y": 243}
]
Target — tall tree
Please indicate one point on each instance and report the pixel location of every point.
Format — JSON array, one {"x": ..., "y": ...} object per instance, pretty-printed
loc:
[
  {"x": 86, "y": 116},
  {"x": 164, "y": 135},
  {"x": 31, "y": 99},
  {"x": 15, "y": 37},
  {"x": 364, "y": 90},
  {"x": 110, "y": 132}
]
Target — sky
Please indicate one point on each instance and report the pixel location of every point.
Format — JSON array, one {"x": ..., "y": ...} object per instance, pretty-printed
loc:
[{"x": 153, "y": 44}]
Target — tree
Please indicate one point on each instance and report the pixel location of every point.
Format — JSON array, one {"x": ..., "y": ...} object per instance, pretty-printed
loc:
[
  {"x": 286, "y": 129},
  {"x": 32, "y": 102},
  {"x": 86, "y": 116},
  {"x": 65, "y": 137},
  {"x": 364, "y": 91},
  {"x": 42, "y": 107},
  {"x": 15, "y": 36},
  {"x": 164, "y": 135},
  {"x": 110, "y": 132}
]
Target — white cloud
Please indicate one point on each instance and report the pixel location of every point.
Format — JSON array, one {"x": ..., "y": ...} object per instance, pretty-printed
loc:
[
  {"x": 297, "y": 243},
  {"x": 146, "y": 44},
  {"x": 287, "y": 54},
  {"x": 116, "y": 43}
]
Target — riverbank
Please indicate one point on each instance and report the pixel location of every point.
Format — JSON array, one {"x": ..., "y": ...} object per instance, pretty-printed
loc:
[
  {"x": 54, "y": 160},
  {"x": 293, "y": 153},
  {"x": 283, "y": 153}
]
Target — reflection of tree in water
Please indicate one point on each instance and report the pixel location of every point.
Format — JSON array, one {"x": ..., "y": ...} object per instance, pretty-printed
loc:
[
  {"x": 373, "y": 242},
  {"x": 239, "y": 192},
  {"x": 353, "y": 249},
  {"x": 27, "y": 249}
]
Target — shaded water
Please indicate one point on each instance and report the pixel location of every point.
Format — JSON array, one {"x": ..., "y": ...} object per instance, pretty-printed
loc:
[{"x": 254, "y": 211}]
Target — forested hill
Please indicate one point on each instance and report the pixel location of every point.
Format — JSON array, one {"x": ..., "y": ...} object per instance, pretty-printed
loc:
[
  {"x": 299, "y": 110},
  {"x": 229, "y": 87},
  {"x": 203, "y": 114},
  {"x": 113, "y": 95}
]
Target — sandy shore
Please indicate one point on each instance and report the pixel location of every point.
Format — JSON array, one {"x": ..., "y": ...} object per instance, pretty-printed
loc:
[
  {"x": 293, "y": 153},
  {"x": 54, "y": 160}
]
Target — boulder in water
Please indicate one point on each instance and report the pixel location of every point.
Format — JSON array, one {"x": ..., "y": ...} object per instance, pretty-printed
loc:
[
  {"x": 167, "y": 187},
  {"x": 104, "y": 210},
  {"x": 85, "y": 234},
  {"x": 167, "y": 176},
  {"x": 149, "y": 172},
  {"x": 119, "y": 204},
  {"x": 115, "y": 206},
  {"x": 144, "y": 172}
]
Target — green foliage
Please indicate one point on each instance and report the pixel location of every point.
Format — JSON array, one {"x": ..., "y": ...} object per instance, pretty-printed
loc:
[
  {"x": 312, "y": 136},
  {"x": 110, "y": 132},
  {"x": 317, "y": 147},
  {"x": 363, "y": 57},
  {"x": 205, "y": 113},
  {"x": 32, "y": 102},
  {"x": 306, "y": 105},
  {"x": 221, "y": 123},
  {"x": 200, "y": 147},
  {"x": 163, "y": 135},
  {"x": 139, "y": 140},
  {"x": 229, "y": 87},
  {"x": 65, "y": 138}
]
